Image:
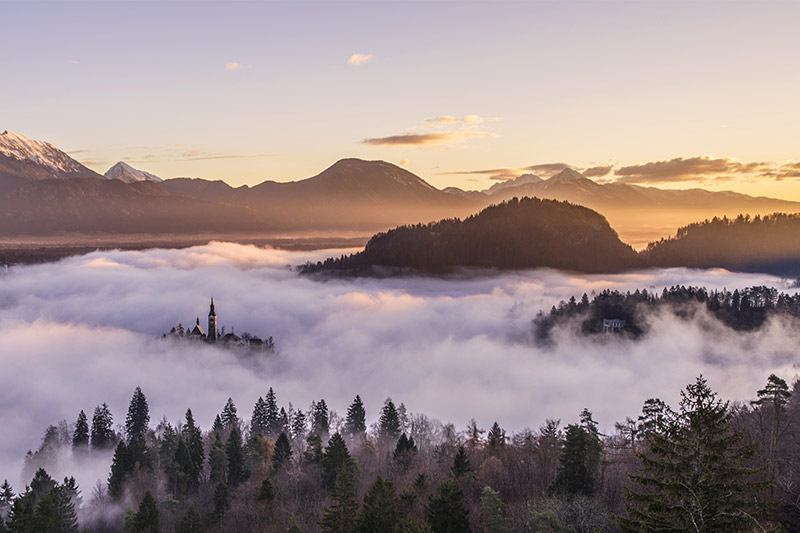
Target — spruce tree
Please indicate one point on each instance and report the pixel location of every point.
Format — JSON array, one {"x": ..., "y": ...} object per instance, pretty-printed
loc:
[
  {"x": 80, "y": 437},
  {"x": 258, "y": 422},
  {"x": 283, "y": 451},
  {"x": 299, "y": 427},
  {"x": 294, "y": 527},
  {"x": 191, "y": 522},
  {"x": 381, "y": 508},
  {"x": 6, "y": 497},
  {"x": 356, "y": 421},
  {"x": 339, "y": 516},
  {"x": 194, "y": 441},
  {"x": 44, "y": 506},
  {"x": 221, "y": 502},
  {"x": 389, "y": 421},
  {"x": 102, "y": 433},
  {"x": 694, "y": 473},
  {"x": 228, "y": 418},
  {"x": 446, "y": 511},
  {"x": 266, "y": 493},
  {"x": 405, "y": 452},
  {"x": 335, "y": 459},
  {"x": 185, "y": 475},
  {"x": 138, "y": 418},
  {"x": 217, "y": 461},
  {"x": 319, "y": 418},
  {"x": 234, "y": 452},
  {"x": 272, "y": 415},
  {"x": 313, "y": 453},
  {"x": 284, "y": 425},
  {"x": 461, "y": 466},
  {"x": 146, "y": 519},
  {"x": 496, "y": 437},
  {"x": 578, "y": 464},
  {"x": 120, "y": 468},
  {"x": 493, "y": 509}
]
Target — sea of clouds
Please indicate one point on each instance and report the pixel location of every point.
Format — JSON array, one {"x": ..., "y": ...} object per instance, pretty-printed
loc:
[{"x": 86, "y": 330}]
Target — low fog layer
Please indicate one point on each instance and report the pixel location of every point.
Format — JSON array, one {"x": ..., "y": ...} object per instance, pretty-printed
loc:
[{"x": 86, "y": 330}]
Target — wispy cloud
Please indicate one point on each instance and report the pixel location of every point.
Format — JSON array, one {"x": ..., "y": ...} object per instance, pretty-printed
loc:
[
  {"x": 439, "y": 132},
  {"x": 404, "y": 162},
  {"x": 77, "y": 152},
  {"x": 505, "y": 174},
  {"x": 467, "y": 119},
  {"x": 700, "y": 168},
  {"x": 233, "y": 66},
  {"x": 597, "y": 172},
  {"x": 423, "y": 139},
  {"x": 359, "y": 59}
]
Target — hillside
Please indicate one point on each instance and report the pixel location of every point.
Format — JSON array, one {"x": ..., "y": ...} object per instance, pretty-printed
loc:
[
  {"x": 760, "y": 244},
  {"x": 518, "y": 234}
]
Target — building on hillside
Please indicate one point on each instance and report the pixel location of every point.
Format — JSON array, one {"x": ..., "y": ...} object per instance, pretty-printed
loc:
[{"x": 613, "y": 324}]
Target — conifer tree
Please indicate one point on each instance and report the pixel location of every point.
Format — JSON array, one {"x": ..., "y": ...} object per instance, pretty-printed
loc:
[
  {"x": 389, "y": 421},
  {"x": 102, "y": 433},
  {"x": 120, "y": 468},
  {"x": 381, "y": 508},
  {"x": 694, "y": 472},
  {"x": 272, "y": 415},
  {"x": 138, "y": 418},
  {"x": 6, "y": 497},
  {"x": 299, "y": 427},
  {"x": 228, "y": 417},
  {"x": 335, "y": 459},
  {"x": 217, "y": 426},
  {"x": 319, "y": 418},
  {"x": 339, "y": 517},
  {"x": 493, "y": 518},
  {"x": 771, "y": 408},
  {"x": 284, "y": 426},
  {"x": 294, "y": 527},
  {"x": 191, "y": 522},
  {"x": 258, "y": 422},
  {"x": 234, "y": 452},
  {"x": 578, "y": 463},
  {"x": 221, "y": 502},
  {"x": 194, "y": 442},
  {"x": 405, "y": 452},
  {"x": 217, "y": 461},
  {"x": 313, "y": 453},
  {"x": 461, "y": 466},
  {"x": 80, "y": 437},
  {"x": 446, "y": 511},
  {"x": 356, "y": 421},
  {"x": 283, "y": 451},
  {"x": 44, "y": 506},
  {"x": 496, "y": 437},
  {"x": 267, "y": 492},
  {"x": 185, "y": 475},
  {"x": 146, "y": 519}
]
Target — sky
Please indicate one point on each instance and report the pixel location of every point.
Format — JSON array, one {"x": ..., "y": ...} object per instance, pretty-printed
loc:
[
  {"x": 86, "y": 330},
  {"x": 672, "y": 94}
]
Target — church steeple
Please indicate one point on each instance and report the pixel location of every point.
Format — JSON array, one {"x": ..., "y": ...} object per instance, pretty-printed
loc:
[{"x": 212, "y": 323}]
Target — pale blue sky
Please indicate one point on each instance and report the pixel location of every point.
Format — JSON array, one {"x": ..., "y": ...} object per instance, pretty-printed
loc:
[{"x": 590, "y": 83}]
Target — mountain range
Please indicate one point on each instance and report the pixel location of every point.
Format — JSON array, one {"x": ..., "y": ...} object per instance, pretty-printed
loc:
[{"x": 44, "y": 191}]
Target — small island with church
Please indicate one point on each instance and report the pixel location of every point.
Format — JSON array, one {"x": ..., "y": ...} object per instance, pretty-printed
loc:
[{"x": 219, "y": 337}]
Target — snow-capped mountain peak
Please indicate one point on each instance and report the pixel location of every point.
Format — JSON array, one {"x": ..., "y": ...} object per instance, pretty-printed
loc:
[
  {"x": 21, "y": 148},
  {"x": 124, "y": 172},
  {"x": 524, "y": 179},
  {"x": 567, "y": 175}
]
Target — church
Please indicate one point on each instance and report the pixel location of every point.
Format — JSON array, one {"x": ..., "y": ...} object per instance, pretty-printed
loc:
[{"x": 214, "y": 335}]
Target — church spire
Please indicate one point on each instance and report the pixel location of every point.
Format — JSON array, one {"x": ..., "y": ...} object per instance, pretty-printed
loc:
[
  {"x": 211, "y": 311},
  {"x": 212, "y": 335}
]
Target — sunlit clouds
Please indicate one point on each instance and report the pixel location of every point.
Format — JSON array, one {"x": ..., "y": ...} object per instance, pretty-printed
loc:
[
  {"x": 233, "y": 66},
  {"x": 439, "y": 132},
  {"x": 357, "y": 60}
]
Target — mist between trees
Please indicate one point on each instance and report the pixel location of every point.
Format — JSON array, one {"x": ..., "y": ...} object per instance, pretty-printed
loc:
[{"x": 701, "y": 465}]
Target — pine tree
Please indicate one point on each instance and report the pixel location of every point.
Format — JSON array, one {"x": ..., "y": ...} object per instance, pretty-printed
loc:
[
  {"x": 283, "y": 451},
  {"x": 493, "y": 519},
  {"x": 389, "y": 421},
  {"x": 771, "y": 408},
  {"x": 273, "y": 420},
  {"x": 217, "y": 461},
  {"x": 146, "y": 519},
  {"x": 339, "y": 517},
  {"x": 356, "y": 421},
  {"x": 381, "y": 508},
  {"x": 80, "y": 437},
  {"x": 335, "y": 459},
  {"x": 228, "y": 417},
  {"x": 237, "y": 470},
  {"x": 461, "y": 466},
  {"x": 694, "y": 472},
  {"x": 138, "y": 416},
  {"x": 221, "y": 502},
  {"x": 191, "y": 522},
  {"x": 194, "y": 442},
  {"x": 446, "y": 511},
  {"x": 102, "y": 433},
  {"x": 319, "y": 418}
]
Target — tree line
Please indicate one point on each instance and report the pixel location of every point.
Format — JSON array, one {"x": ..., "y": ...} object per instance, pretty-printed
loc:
[{"x": 704, "y": 465}]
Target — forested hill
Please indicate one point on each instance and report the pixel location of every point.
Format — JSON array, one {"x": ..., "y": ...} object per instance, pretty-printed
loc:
[
  {"x": 517, "y": 234},
  {"x": 769, "y": 244}
]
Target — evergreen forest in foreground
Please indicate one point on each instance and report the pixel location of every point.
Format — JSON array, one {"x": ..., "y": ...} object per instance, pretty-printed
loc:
[{"x": 703, "y": 465}]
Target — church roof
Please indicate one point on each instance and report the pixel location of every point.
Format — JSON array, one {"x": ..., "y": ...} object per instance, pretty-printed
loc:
[{"x": 197, "y": 330}]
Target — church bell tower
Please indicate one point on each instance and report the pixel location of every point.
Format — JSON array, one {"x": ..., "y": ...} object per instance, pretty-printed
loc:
[{"x": 212, "y": 323}]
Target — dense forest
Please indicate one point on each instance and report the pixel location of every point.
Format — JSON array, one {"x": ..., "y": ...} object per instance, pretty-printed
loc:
[
  {"x": 744, "y": 310},
  {"x": 534, "y": 233},
  {"x": 518, "y": 234},
  {"x": 703, "y": 465}
]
